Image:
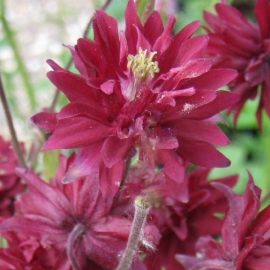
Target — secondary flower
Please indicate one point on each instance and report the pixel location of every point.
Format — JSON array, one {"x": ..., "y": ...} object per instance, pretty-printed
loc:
[
  {"x": 10, "y": 184},
  {"x": 74, "y": 219},
  {"x": 144, "y": 89},
  {"x": 238, "y": 43},
  {"x": 245, "y": 236},
  {"x": 180, "y": 224},
  {"x": 28, "y": 254}
]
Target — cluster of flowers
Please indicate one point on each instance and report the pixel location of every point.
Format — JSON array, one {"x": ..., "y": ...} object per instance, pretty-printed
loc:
[{"x": 142, "y": 111}]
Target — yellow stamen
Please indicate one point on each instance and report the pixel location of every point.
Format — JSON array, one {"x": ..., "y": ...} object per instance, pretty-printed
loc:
[{"x": 142, "y": 65}]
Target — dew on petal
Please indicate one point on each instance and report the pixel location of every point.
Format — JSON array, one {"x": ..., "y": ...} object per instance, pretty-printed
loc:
[{"x": 187, "y": 107}]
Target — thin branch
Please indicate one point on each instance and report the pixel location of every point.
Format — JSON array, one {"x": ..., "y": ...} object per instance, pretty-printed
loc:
[
  {"x": 68, "y": 65},
  {"x": 106, "y": 4},
  {"x": 14, "y": 138}
]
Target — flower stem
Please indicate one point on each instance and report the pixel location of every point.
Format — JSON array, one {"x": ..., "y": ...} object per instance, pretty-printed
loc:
[
  {"x": 21, "y": 67},
  {"x": 14, "y": 138},
  {"x": 68, "y": 65},
  {"x": 141, "y": 210},
  {"x": 72, "y": 238}
]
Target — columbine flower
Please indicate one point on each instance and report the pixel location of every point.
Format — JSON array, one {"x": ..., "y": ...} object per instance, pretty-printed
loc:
[
  {"x": 181, "y": 224},
  {"x": 73, "y": 219},
  {"x": 238, "y": 43},
  {"x": 245, "y": 236},
  {"x": 10, "y": 184},
  {"x": 145, "y": 89}
]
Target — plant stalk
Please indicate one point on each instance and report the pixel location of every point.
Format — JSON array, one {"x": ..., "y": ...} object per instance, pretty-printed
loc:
[
  {"x": 140, "y": 216},
  {"x": 12, "y": 131}
]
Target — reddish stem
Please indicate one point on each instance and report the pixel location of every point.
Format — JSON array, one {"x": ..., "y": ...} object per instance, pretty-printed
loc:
[
  {"x": 10, "y": 124},
  {"x": 77, "y": 231}
]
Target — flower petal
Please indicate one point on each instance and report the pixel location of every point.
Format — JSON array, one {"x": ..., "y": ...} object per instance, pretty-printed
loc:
[
  {"x": 75, "y": 109},
  {"x": 262, "y": 10},
  {"x": 67, "y": 82},
  {"x": 76, "y": 132},
  {"x": 191, "y": 49},
  {"x": 115, "y": 149},
  {"x": 202, "y": 154},
  {"x": 153, "y": 27},
  {"x": 199, "y": 131},
  {"x": 45, "y": 120},
  {"x": 213, "y": 79}
]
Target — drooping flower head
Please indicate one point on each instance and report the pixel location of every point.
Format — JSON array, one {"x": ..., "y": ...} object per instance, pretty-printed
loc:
[
  {"x": 243, "y": 45},
  {"x": 144, "y": 89}
]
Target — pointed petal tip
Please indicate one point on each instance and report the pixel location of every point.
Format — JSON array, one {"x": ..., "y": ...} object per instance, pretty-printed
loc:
[
  {"x": 67, "y": 179},
  {"x": 226, "y": 163},
  {"x": 53, "y": 65},
  {"x": 231, "y": 74},
  {"x": 48, "y": 146}
]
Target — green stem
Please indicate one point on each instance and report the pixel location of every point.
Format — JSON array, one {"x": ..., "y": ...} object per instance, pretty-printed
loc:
[
  {"x": 141, "y": 210},
  {"x": 21, "y": 67}
]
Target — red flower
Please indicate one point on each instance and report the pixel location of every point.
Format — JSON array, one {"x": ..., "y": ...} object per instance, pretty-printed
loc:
[
  {"x": 245, "y": 236},
  {"x": 238, "y": 43},
  {"x": 29, "y": 254},
  {"x": 10, "y": 184},
  {"x": 74, "y": 219},
  {"x": 145, "y": 89}
]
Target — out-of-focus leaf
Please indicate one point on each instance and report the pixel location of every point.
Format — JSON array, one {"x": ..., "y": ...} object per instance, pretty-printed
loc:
[
  {"x": 50, "y": 161},
  {"x": 144, "y": 8},
  {"x": 192, "y": 10}
]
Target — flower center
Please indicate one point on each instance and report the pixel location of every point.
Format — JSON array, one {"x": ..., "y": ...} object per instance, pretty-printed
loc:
[
  {"x": 141, "y": 65},
  {"x": 143, "y": 68}
]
